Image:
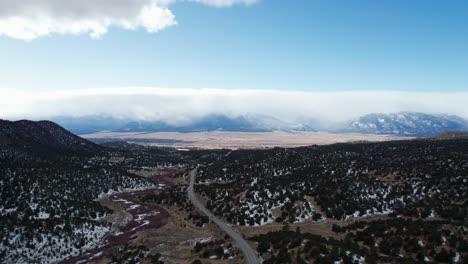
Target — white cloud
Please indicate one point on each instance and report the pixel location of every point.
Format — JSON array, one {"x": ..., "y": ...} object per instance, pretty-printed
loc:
[
  {"x": 31, "y": 19},
  {"x": 221, "y": 3},
  {"x": 184, "y": 104}
]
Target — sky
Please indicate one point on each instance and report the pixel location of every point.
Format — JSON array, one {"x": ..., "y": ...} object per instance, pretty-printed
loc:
[{"x": 365, "y": 49}]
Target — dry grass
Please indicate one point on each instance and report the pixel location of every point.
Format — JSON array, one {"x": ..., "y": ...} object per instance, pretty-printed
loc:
[
  {"x": 175, "y": 240},
  {"x": 236, "y": 140}
]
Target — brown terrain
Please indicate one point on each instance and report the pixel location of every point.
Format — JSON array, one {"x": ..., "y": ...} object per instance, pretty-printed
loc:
[
  {"x": 157, "y": 229},
  {"x": 235, "y": 140},
  {"x": 167, "y": 231}
]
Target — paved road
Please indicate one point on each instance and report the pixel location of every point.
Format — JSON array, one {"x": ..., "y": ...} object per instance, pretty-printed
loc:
[{"x": 249, "y": 253}]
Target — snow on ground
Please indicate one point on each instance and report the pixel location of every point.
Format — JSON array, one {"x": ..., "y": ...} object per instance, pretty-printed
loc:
[
  {"x": 50, "y": 248},
  {"x": 59, "y": 245}
]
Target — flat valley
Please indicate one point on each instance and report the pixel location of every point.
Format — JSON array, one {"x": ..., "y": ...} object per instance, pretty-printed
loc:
[{"x": 236, "y": 140}]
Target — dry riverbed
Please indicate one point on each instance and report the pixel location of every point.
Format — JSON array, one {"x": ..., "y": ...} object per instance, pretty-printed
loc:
[{"x": 164, "y": 231}]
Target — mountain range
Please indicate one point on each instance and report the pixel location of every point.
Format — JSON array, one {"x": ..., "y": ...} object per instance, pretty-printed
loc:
[
  {"x": 405, "y": 124},
  {"x": 413, "y": 124},
  {"x": 210, "y": 122}
]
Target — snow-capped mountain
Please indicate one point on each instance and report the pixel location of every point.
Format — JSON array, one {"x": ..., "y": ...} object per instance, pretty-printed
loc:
[
  {"x": 401, "y": 124},
  {"x": 211, "y": 122},
  {"x": 406, "y": 124}
]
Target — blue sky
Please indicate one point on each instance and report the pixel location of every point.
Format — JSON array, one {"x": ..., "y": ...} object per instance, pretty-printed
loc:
[{"x": 272, "y": 44}]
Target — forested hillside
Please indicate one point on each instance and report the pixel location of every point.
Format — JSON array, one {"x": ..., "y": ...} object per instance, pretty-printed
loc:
[
  {"x": 49, "y": 181},
  {"x": 420, "y": 179}
]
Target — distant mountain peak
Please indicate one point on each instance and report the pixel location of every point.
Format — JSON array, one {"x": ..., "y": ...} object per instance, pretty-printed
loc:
[
  {"x": 415, "y": 124},
  {"x": 405, "y": 124},
  {"x": 211, "y": 122}
]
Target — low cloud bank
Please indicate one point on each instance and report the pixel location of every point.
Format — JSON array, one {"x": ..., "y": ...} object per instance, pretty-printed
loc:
[{"x": 177, "y": 106}]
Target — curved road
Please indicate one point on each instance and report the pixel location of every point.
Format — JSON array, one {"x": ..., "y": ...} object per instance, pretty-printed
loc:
[{"x": 249, "y": 253}]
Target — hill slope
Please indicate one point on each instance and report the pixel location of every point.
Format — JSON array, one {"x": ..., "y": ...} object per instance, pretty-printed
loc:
[
  {"x": 49, "y": 181},
  {"x": 405, "y": 124},
  {"x": 42, "y": 135}
]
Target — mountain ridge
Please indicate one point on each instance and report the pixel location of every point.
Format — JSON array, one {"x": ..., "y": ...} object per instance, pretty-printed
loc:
[
  {"x": 210, "y": 122},
  {"x": 413, "y": 124},
  {"x": 405, "y": 124},
  {"x": 43, "y": 135}
]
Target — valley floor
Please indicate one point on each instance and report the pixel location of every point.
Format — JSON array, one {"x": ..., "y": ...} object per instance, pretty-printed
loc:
[
  {"x": 162, "y": 232},
  {"x": 236, "y": 140}
]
